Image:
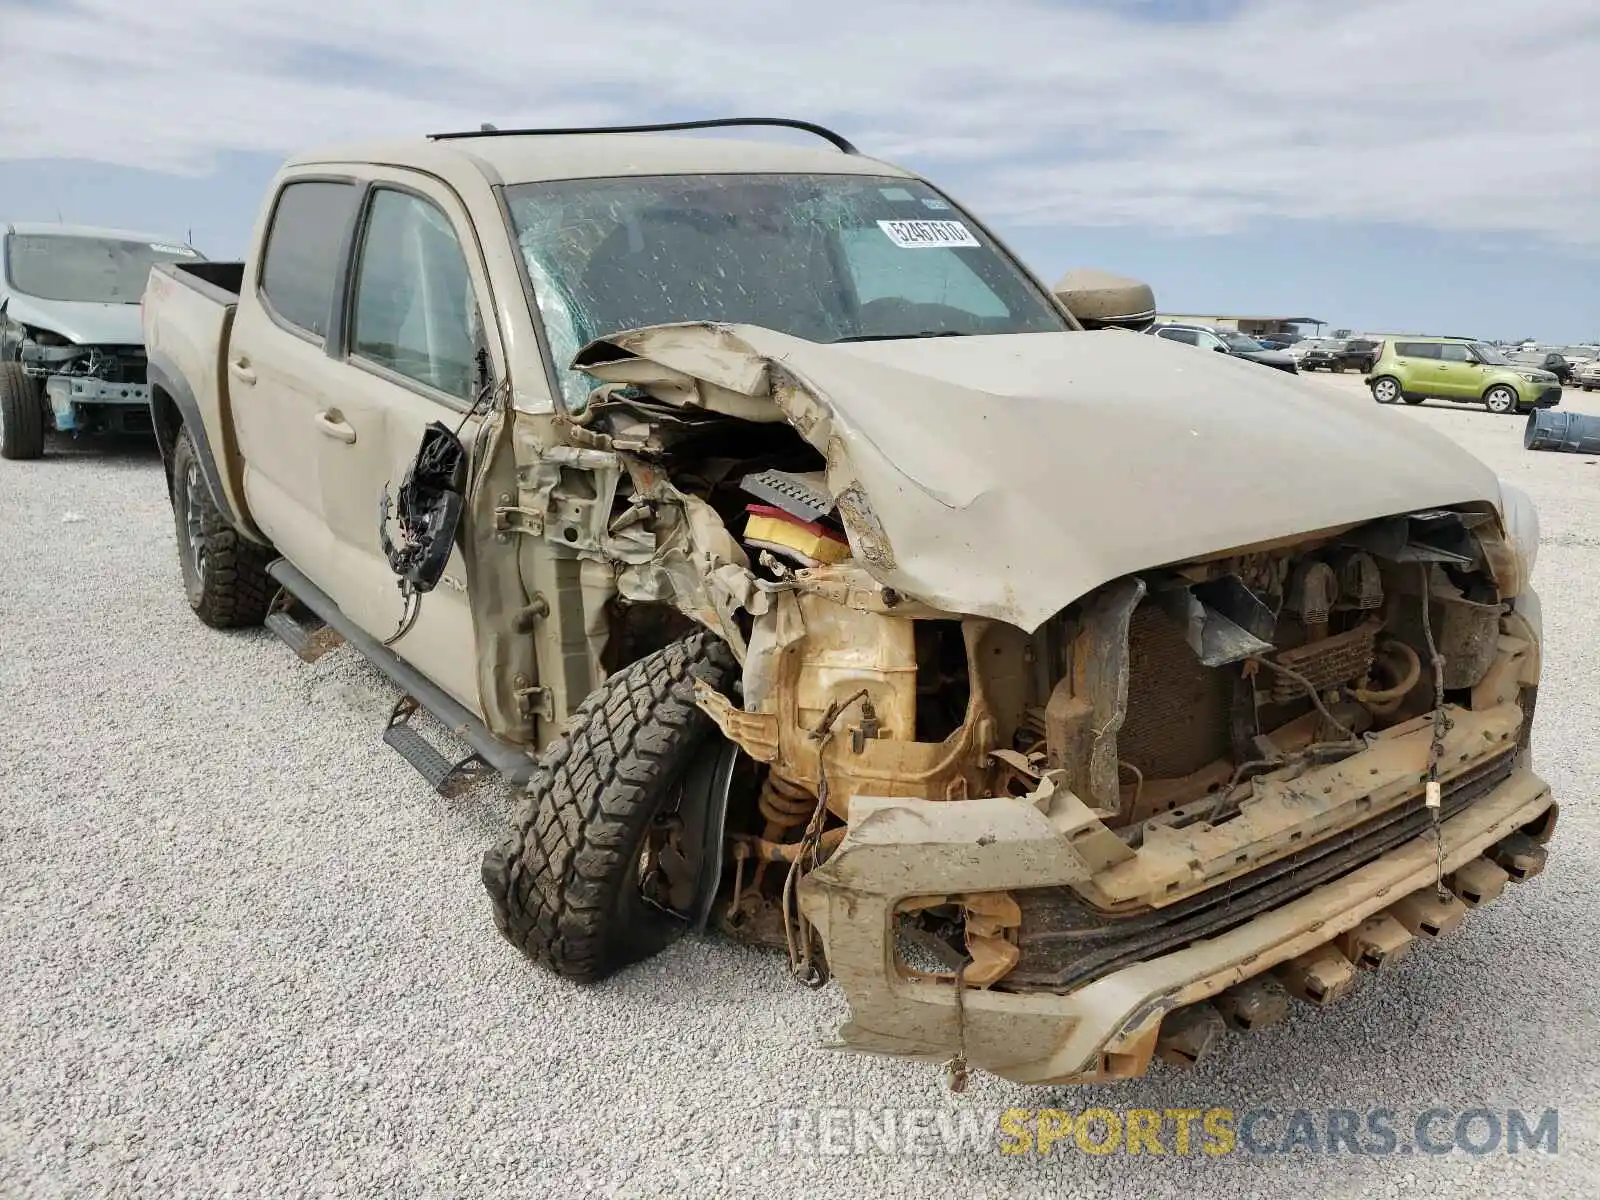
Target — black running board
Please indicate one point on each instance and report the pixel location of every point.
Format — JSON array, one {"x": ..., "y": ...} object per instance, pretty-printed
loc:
[
  {"x": 309, "y": 639},
  {"x": 511, "y": 762},
  {"x": 443, "y": 774}
]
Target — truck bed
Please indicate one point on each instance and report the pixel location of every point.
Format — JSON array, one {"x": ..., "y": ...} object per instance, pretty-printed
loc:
[
  {"x": 188, "y": 317},
  {"x": 224, "y": 278}
]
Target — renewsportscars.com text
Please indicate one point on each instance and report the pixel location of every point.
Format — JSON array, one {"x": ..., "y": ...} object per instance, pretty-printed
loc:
[{"x": 1208, "y": 1132}]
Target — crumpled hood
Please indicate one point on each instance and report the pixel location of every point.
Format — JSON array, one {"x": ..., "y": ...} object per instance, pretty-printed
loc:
[
  {"x": 1013, "y": 474},
  {"x": 85, "y": 324}
]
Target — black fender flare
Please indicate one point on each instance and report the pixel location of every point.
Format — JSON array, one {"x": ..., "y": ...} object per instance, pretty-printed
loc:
[{"x": 173, "y": 409}]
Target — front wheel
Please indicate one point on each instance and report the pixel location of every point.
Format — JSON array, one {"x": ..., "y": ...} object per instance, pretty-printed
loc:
[
  {"x": 579, "y": 883},
  {"x": 1500, "y": 399},
  {"x": 1386, "y": 390},
  {"x": 225, "y": 576},
  {"x": 21, "y": 414}
]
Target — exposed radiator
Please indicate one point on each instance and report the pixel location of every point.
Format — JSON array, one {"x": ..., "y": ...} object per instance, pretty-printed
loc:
[{"x": 1178, "y": 710}]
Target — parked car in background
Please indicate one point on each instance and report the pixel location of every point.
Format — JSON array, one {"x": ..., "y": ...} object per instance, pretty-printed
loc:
[
  {"x": 1466, "y": 372},
  {"x": 1548, "y": 360},
  {"x": 1359, "y": 354},
  {"x": 1318, "y": 354},
  {"x": 72, "y": 355},
  {"x": 1587, "y": 376},
  {"x": 1226, "y": 341}
]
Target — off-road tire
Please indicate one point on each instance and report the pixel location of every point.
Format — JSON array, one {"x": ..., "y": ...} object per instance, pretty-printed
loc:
[
  {"x": 21, "y": 414},
  {"x": 564, "y": 880},
  {"x": 1505, "y": 405},
  {"x": 224, "y": 575},
  {"x": 1378, "y": 386}
]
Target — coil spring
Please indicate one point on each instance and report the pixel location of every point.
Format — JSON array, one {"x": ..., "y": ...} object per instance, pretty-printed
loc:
[{"x": 784, "y": 803}]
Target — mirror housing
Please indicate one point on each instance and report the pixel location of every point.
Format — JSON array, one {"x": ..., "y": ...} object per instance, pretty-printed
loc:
[{"x": 1101, "y": 300}]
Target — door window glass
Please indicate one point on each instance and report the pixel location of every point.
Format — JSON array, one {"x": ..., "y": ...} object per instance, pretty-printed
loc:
[
  {"x": 1451, "y": 352},
  {"x": 414, "y": 310},
  {"x": 1187, "y": 336},
  {"x": 301, "y": 259},
  {"x": 1417, "y": 349}
]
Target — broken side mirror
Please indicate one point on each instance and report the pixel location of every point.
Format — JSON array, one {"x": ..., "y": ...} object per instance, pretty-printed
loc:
[
  {"x": 428, "y": 509},
  {"x": 1100, "y": 300}
]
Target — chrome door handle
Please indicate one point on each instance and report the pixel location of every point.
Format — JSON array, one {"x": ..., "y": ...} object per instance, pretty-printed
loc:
[
  {"x": 330, "y": 423},
  {"x": 239, "y": 368}
]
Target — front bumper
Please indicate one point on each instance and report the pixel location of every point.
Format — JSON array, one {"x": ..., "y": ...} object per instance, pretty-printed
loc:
[
  {"x": 68, "y": 394},
  {"x": 1109, "y": 1026},
  {"x": 1547, "y": 397}
]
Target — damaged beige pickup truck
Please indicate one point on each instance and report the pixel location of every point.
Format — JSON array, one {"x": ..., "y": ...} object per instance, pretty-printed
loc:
[{"x": 1063, "y": 696}]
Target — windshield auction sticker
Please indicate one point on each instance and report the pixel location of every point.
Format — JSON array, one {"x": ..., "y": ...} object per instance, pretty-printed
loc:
[{"x": 928, "y": 235}]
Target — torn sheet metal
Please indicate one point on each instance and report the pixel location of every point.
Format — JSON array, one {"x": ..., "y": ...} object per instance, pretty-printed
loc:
[
  {"x": 699, "y": 567},
  {"x": 984, "y": 465},
  {"x": 1221, "y": 620}
]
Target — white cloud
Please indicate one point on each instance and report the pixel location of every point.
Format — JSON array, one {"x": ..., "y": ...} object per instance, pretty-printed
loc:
[{"x": 1451, "y": 115}]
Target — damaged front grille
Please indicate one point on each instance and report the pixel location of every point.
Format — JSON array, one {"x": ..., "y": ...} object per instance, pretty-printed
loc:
[{"x": 1065, "y": 943}]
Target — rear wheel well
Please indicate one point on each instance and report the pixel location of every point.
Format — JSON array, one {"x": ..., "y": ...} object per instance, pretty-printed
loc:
[{"x": 168, "y": 424}]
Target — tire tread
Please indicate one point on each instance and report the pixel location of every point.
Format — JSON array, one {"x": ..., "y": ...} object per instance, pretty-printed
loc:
[{"x": 554, "y": 878}]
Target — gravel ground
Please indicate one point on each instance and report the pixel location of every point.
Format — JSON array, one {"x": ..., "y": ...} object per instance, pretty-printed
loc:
[{"x": 243, "y": 949}]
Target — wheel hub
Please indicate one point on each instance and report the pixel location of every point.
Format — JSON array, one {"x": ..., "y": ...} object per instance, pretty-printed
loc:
[{"x": 192, "y": 531}]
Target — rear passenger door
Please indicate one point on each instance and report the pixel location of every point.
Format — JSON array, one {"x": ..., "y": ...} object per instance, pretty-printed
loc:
[
  {"x": 278, "y": 368},
  {"x": 1418, "y": 364},
  {"x": 413, "y": 323}
]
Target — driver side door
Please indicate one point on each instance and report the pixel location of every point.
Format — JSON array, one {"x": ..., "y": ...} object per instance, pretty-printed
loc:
[
  {"x": 412, "y": 328},
  {"x": 1460, "y": 374}
]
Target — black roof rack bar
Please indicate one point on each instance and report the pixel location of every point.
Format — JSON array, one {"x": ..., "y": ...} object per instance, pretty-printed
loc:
[{"x": 822, "y": 132}]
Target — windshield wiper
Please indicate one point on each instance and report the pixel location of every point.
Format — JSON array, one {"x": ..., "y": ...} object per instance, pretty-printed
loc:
[{"x": 894, "y": 337}]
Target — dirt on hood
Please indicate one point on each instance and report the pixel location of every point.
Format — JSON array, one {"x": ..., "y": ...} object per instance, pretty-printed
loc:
[{"x": 1007, "y": 476}]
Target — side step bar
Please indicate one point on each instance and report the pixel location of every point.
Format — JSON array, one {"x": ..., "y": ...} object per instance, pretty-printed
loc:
[
  {"x": 512, "y": 763},
  {"x": 405, "y": 740},
  {"x": 309, "y": 639}
]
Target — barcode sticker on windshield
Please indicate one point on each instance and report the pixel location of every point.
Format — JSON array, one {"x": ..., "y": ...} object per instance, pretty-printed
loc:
[
  {"x": 928, "y": 235},
  {"x": 163, "y": 248}
]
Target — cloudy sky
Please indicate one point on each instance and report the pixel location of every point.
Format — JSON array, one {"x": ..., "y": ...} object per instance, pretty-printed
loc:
[{"x": 1384, "y": 164}]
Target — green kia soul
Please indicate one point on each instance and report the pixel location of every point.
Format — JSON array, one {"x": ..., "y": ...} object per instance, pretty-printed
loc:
[{"x": 1467, "y": 372}]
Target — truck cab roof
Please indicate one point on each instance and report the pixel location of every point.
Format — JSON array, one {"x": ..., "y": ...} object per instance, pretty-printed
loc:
[{"x": 510, "y": 158}]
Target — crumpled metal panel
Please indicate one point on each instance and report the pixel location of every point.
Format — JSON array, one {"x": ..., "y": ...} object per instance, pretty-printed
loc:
[{"x": 1009, "y": 476}]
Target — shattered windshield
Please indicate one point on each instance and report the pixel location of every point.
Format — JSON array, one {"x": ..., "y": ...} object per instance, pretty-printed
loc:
[
  {"x": 91, "y": 270},
  {"x": 827, "y": 258}
]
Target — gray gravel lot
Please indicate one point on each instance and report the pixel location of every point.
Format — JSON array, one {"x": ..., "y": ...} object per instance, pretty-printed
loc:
[{"x": 244, "y": 950}]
